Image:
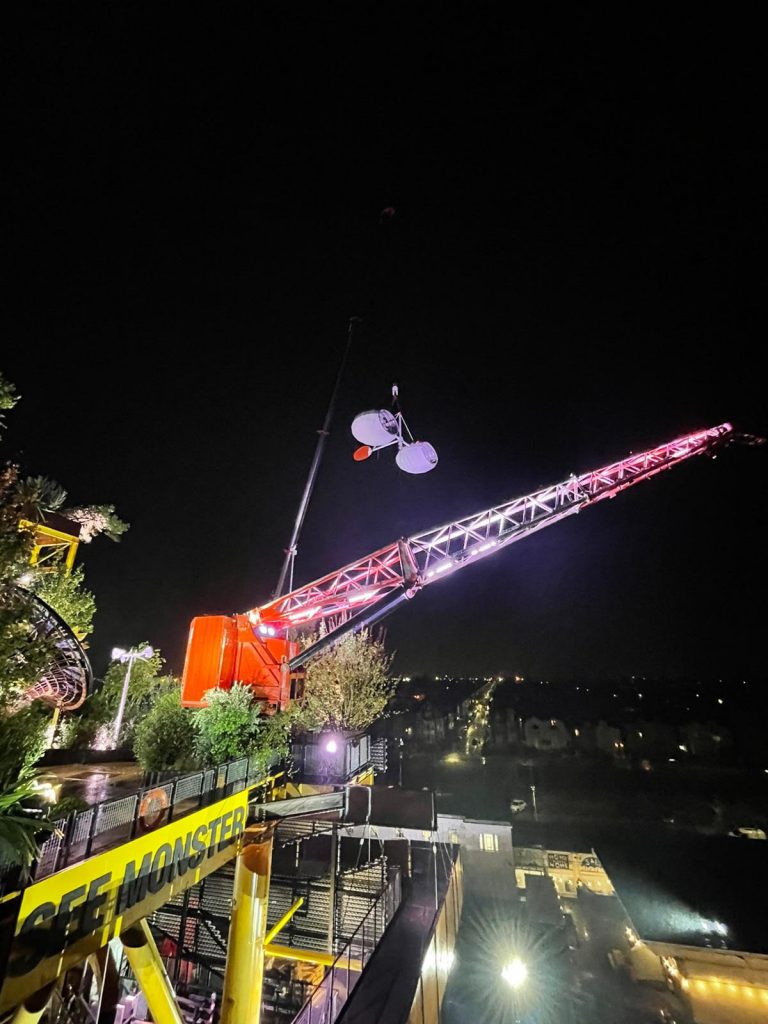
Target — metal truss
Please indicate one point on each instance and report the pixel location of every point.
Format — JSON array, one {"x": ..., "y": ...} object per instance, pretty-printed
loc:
[{"x": 405, "y": 566}]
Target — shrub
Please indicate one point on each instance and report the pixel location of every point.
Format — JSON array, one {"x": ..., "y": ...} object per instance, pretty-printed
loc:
[
  {"x": 165, "y": 737},
  {"x": 23, "y": 739}
]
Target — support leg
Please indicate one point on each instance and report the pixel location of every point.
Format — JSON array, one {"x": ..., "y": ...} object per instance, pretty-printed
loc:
[
  {"x": 149, "y": 970},
  {"x": 241, "y": 1001}
]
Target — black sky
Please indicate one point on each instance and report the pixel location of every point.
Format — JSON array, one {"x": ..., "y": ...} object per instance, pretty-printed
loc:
[{"x": 575, "y": 269}]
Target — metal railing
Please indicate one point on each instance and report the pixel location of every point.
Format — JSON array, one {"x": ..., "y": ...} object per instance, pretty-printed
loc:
[
  {"x": 328, "y": 999},
  {"x": 112, "y": 822},
  {"x": 333, "y": 758}
]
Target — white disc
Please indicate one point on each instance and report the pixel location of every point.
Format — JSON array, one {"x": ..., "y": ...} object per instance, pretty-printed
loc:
[
  {"x": 375, "y": 427},
  {"x": 418, "y": 457}
]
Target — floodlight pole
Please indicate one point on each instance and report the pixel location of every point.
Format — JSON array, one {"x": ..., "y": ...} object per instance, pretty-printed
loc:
[
  {"x": 127, "y": 657},
  {"x": 123, "y": 697},
  {"x": 290, "y": 551}
]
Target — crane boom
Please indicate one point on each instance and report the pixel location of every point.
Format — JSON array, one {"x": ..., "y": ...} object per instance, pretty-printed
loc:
[{"x": 259, "y": 647}]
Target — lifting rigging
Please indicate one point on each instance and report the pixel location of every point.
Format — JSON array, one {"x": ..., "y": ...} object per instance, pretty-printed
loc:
[{"x": 259, "y": 647}]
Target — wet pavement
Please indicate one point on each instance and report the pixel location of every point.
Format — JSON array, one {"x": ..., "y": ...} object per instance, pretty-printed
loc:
[{"x": 93, "y": 783}]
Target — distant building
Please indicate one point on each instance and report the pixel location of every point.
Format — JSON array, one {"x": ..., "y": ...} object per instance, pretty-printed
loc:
[
  {"x": 546, "y": 734},
  {"x": 648, "y": 738},
  {"x": 608, "y": 738},
  {"x": 706, "y": 739}
]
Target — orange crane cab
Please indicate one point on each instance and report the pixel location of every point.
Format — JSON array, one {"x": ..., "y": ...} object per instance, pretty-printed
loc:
[{"x": 225, "y": 649}]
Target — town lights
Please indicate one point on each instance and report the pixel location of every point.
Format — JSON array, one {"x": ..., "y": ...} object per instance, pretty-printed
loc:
[{"x": 514, "y": 973}]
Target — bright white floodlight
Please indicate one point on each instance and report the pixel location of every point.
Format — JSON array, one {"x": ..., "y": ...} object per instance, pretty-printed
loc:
[
  {"x": 514, "y": 973},
  {"x": 118, "y": 653},
  {"x": 378, "y": 428},
  {"x": 418, "y": 457}
]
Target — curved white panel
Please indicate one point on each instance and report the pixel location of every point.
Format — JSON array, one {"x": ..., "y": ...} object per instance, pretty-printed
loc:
[
  {"x": 418, "y": 457},
  {"x": 375, "y": 427}
]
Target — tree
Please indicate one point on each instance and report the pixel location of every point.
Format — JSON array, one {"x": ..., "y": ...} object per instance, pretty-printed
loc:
[
  {"x": 66, "y": 594},
  {"x": 38, "y": 495},
  {"x": 23, "y": 735},
  {"x": 23, "y": 653},
  {"x": 97, "y": 519},
  {"x": 348, "y": 686},
  {"x": 8, "y": 398},
  {"x": 165, "y": 738}
]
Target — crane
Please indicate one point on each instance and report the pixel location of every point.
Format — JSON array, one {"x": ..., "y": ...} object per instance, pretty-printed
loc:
[{"x": 260, "y": 647}]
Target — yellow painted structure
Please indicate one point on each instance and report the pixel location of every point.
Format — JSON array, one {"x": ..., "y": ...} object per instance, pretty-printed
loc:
[
  {"x": 149, "y": 971},
  {"x": 67, "y": 916},
  {"x": 32, "y": 1009},
  {"x": 52, "y": 549},
  {"x": 277, "y": 928},
  {"x": 308, "y": 956},
  {"x": 241, "y": 999},
  {"x": 294, "y": 789}
]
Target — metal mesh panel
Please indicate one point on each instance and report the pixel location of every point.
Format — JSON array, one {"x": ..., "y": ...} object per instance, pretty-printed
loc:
[
  {"x": 209, "y": 780},
  {"x": 49, "y": 851},
  {"x": 188, "y": 787},
  {"x": 116, "y": 813},
  {"x": 237, "y": 770},
  {"x": 82, "y": 826}
]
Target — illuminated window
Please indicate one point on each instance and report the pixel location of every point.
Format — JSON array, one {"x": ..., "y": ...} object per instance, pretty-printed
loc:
[{"x": 489, "y": 842}]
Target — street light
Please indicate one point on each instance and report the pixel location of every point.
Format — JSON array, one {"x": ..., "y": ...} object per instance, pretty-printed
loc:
[
  {"x": 514, "y": 973},
  {"x": 127, "y": 658}
]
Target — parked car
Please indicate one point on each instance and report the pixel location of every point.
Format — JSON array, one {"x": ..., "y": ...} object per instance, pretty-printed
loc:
[
  {"x": 747, "y": 832},
  {"x": 517, "y": 805}
]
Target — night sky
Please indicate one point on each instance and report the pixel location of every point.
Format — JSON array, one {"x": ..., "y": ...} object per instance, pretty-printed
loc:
[{"x": 575, "y": 269}]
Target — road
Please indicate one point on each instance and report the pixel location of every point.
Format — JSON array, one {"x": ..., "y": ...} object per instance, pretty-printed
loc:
[{"x": 584, "y": 794}]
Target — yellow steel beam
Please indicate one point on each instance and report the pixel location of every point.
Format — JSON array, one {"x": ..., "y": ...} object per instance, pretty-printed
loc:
[
  {"x": 56, "y": 541},
  {"x": 276, "y": 929},
  {"x": 309, "y": 956},
  {"x": 32, "y": 1009},
  {"x": 241, "y": 999},
  {"x": 149, "y": 971}
]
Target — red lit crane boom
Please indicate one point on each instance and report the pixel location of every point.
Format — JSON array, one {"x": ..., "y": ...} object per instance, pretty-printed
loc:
[{"x": 259, "y": 648}]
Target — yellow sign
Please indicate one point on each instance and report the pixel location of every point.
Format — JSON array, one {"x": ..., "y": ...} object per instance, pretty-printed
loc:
[{"x": 77, "y": 911}]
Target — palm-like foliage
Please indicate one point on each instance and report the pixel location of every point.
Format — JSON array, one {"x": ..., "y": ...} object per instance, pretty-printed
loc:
[
  {"x": 19, "y": 826},
  {"x": 38, "y": 495}
]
